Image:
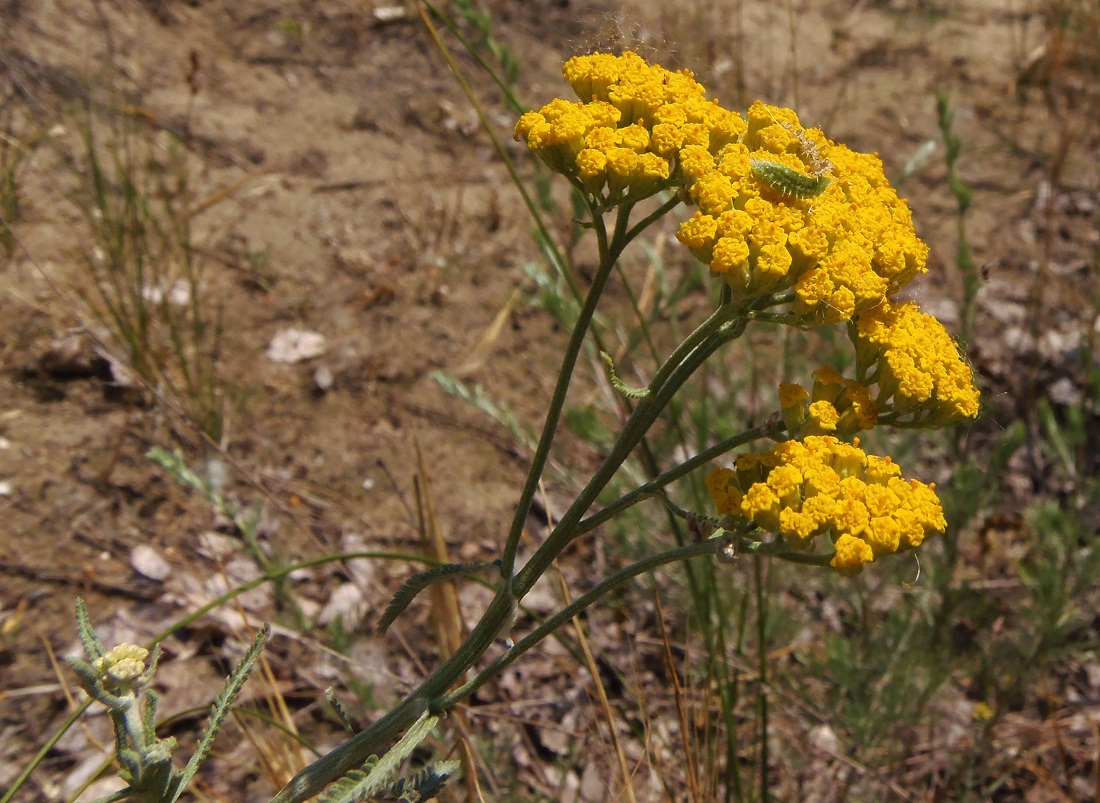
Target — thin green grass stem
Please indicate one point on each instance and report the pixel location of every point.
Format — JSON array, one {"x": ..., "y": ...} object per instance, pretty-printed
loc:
[
  {"x": 544, "y": 231},
  {"x": 643, "y": 324},
  {"x": 762, "y": 669},
  {"x": 472, "y": 49}
]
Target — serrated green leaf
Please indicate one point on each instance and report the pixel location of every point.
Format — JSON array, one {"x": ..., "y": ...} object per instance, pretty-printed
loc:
[
  {"x": 220, "y": 710},
  {"x": 337, "y": 706},
  {"x": 477, "y": 397},
  {"x": 357, "y": 785},
  {"x": 421, "y": 580},
  {"x": 345, "y": 789},
  {"x": 89, "y": 680},
  {"x": 149, "y": 716},
  {"x": 93, "y": 647},
  {"x": 423, "y": 785}
]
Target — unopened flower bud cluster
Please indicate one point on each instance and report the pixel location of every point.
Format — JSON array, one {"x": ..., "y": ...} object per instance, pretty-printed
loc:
[{"x": 122, "y": 666}]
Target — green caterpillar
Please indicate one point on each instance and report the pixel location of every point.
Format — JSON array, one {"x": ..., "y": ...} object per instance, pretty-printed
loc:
[{"x": 790, "y": 182}]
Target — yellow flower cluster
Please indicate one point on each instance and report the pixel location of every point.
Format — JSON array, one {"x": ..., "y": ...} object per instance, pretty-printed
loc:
[
  {"x": 626, "y": 136},
  {"x": 804, "y": 489},
  {"x": 910, "y": 356},
  {"x": 834, "y": 231},
  {"x": 780, "y": 206}
]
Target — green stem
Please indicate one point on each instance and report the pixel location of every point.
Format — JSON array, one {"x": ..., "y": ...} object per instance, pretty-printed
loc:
[
  {"x": 609, "y": 253},
  {"x": 706, "y": 329},
  {"x": 718, "y": 330},
  {"x": 647, "y": 490},
  {"x": 778, "y": 550},
  {"x": 721, "y": 327},
  {"x": 669, "y": 378},
  {"x": 551, "y": 247},
  {"x": 652, "y": 217}
]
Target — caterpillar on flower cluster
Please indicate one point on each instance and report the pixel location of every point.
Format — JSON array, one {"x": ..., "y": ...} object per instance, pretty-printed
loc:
[
  {"x": 792, "y": 183},
  {"x": 789, "y": 182}
]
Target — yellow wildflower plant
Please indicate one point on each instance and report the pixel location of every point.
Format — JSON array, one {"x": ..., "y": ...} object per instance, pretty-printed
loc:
[
  {"x": 822, "y": 485},
  {"x": 921, "y": 378}
]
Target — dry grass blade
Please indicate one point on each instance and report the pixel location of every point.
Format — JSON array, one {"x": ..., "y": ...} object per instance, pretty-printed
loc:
[
  {"x": 627, "y": 792},
  {"x": 481, "y": 351},
  {"x": 677, "y": 691},
  {"x": 450, "y": 627},
  {"x": 283, "y": 757},
  {"x": 446, "y": 613}
]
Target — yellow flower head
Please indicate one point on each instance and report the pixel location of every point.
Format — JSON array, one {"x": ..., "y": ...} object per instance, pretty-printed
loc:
[
  {"x": 825, "y": 221},
  {"x": 921, "y": 378},
  {"x": 822, "y": 485},
  {"x": 637, "y": 129},
  {"x": 822, "y": 220},
  {"x": 837, "y": 406}
]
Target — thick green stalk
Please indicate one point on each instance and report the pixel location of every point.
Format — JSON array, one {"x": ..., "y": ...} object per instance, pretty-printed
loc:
[
  {"x": 668, "y": 380},
  {"x": 352, "y": 753}
]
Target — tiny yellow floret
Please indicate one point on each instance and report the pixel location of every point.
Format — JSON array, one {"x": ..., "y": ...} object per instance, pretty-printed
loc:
[{"x": 921, "y": 376}]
